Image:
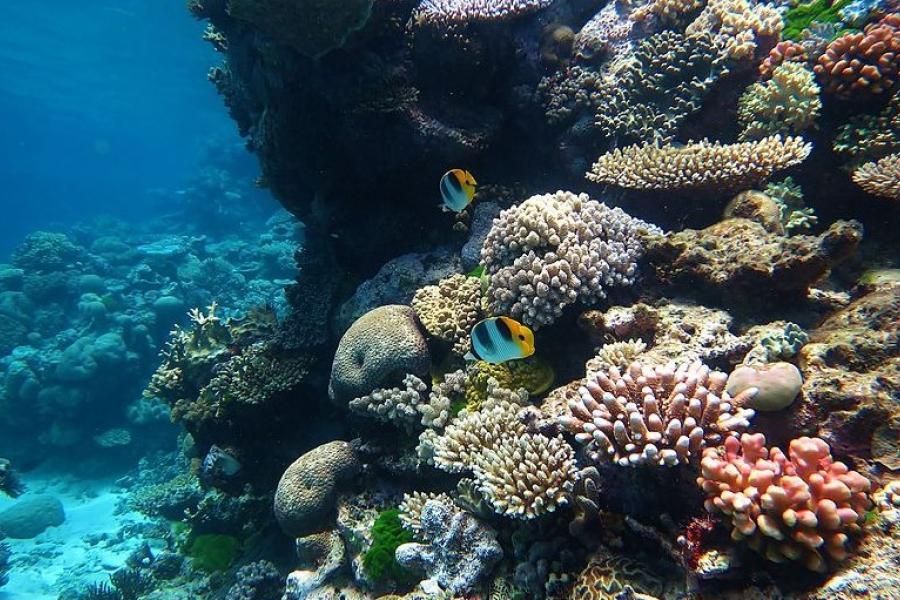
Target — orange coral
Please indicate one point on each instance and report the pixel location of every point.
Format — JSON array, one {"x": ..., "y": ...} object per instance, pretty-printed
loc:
[
  {"x": 785, "y": 51},
  {"x": 868, "y": 61}
]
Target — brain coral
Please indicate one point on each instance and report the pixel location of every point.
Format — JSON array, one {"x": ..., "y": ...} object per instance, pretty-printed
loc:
[
  {"x": 450, "y": 309},
  {"x": 803, "y": 506},
  {"x": 655, "y": 415},
  {"x": 863, "y": 62},
  {"x": 698, "y": 165},
  {"x": 881, "y": 178},
  {"x": 307, "y": 490},
  {"x": 556, "y": 249},
  {"x": 312, "y": 27},
  {"x": 786, "y": 103},
  {"x": 382, "y": 343}
]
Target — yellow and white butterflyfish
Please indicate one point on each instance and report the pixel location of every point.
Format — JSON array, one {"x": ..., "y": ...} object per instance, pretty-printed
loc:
[
  {"x": 500, "y": 339},
  {"x": 457, "y": 189}
]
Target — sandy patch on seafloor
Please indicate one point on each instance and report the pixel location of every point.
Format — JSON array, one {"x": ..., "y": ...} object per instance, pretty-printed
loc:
[{"x": 62, "y": 557}]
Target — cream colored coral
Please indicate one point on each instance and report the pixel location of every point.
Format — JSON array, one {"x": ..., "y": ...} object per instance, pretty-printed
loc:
[
  {"x": 736, "y": 25},
  {"x": 450, "y": 309},
  {"x": 880, "y": 178},
  {"x": 789, "y": 101},
  {"x": 668, "y": 11},
  {"x": 412, "y": 505},
  {"x": 617, "y": 354},
  {"x": 698, "y": 164}
]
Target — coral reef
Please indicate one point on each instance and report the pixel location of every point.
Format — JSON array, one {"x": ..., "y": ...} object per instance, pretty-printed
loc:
[
  {"x": 803, "y": 506},
  {"x": 788, "y": 102},
  {"x": 864, "y": 62},
  {"x": 380, "y": 344},
  {"x": 655, "y": 415},
  {"x": 459, "y": 551},
  {"x": 306, "y": 492},
  {"x": 698, "y": 165},
  {"x": 880, "y": 178},
  {"x": 556, "y": 249}
]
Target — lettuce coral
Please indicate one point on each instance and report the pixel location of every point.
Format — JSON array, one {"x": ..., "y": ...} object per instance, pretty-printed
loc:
[{"x": 786, "y": 103}]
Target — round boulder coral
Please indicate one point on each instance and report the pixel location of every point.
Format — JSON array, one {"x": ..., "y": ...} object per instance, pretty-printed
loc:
[
  {"x": 307, "y": 490},
  {"x": 383, "y": 343}
]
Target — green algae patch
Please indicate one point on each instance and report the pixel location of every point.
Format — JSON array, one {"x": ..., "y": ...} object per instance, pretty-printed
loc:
[
  {"x": 379, "y": 562},
  {"x": 213, "y": 552},
  {"x": 803, "y": 15}
]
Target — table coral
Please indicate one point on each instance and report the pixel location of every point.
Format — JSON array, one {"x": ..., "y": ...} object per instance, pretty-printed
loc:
[
  {"x": 306, "y": 493},
  {"x": 702, "y": 165},
  {"x": 451, "y": 13},
  {"x": 556, "y": 249},
  {"x": 312, "y": 27},
  {"x": 737, "y": 25},
  {"x": 655, "y": 415},
  {"x": 863, "y": 63},
  {"x": 804, "y": 506},
  {"x": 788, "y": 102},
  {"x": 383, "y": 342},
  {"x": 880, "y": 178},
  {"x": 450, "y": 309}
]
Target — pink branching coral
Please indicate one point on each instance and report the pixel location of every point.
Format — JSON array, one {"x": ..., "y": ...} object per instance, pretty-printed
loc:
[
  {"x": 803, "y": 506},
  {"x": 784, "y": 51},
  {"x": 867, "y": 61},
  {"x": 655, "y": 415}
]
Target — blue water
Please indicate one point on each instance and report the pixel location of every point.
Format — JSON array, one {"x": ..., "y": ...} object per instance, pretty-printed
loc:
[{"x": 102, "y": 101}]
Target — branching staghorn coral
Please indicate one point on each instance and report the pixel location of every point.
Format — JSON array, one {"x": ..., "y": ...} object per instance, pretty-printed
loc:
[
  {"x": 803, "y": 506},
  {"x": 655, "y": 415},
  {"x": 556, "y": 249},
  {"x": 785, "y": 51},
  {"x": 786, "y": 103},
  {"x": 521, "y": 474},
  {"x": 736, "y": 25},
  {"x": 450, "y": 309},
  {"x": 701, "y": 164},
  {"x": 664, "y": 83},
  {"x": 881, "y": 178}
]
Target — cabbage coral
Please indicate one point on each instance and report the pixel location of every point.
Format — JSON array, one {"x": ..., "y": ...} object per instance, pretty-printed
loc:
[
  {"x": 803, "y": 506},
  {"x": 786, "y": 103},
  {"x": 701, "y": 164},
  {"x": 655, "y": 415}
]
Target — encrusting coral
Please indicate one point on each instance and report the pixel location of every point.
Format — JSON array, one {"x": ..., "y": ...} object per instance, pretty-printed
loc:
[
  {"x": 788, "y": 102},
  {"x": 450, "y": 309},
  {"x": 703, "y": 165},
  {"x": 803, "y": 506},
  {"x": 880, "y": 178},
  {"x": 556, "y": 249},
  {"x": 655, "y": 415}
]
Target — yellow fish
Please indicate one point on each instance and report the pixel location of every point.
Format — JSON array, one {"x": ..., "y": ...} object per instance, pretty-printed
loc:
[
  {"x": 457, "y": 189},
  {"x": 500, "y": 339}
]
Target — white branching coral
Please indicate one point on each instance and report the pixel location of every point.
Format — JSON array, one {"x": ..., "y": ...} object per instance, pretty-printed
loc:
[
  {"x": 394, "y": 405},
  {"x": 412, "y": 505},
  {"x": 616, "y": 354},
  {"x": 556, "y": 249},
  {"x": 655, "y": 415},
  {"x": 436, "y": 412},
  {"x": 786, "y": 103},
  {"x": 521, "y": 474},
  {"x": 451, "y": 13}
]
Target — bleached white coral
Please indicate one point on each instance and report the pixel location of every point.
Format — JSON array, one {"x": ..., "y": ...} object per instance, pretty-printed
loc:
[
  {"x": 655, "y": 415},
  {"x": 556, "y": 249}
]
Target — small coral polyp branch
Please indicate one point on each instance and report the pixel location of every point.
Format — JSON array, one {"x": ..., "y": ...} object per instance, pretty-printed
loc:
[{"x": 804, "y": 506}]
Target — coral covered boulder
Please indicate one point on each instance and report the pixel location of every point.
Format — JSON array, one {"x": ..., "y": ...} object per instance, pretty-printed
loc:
[
  {"x": 307, "y": 491},
  {"x": 30, "y": 516},
  {"x": 383, "y": 344},
  {"x": 739, "y": 260}
]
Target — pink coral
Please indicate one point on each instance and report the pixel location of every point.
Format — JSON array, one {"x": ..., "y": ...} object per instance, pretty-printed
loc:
[{"x": 800, "y": 507}]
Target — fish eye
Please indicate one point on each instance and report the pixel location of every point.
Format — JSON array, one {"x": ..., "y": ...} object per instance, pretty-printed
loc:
[{"x": 521, "y": 337}]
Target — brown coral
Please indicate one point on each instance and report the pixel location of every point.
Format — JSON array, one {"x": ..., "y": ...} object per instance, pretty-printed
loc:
[
  {"x": 450, "y": 309},
  {"x": 867, "y": 62},
  {"x": 880, "y": 178},
  {"x": 701, "y": 164}
]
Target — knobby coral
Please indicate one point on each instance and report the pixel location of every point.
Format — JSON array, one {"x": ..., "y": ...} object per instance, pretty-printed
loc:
[
  {"x": 867, "y": 62},
  {"x": 556, "y": 249},
  {"x": 881, "y": 178},
  {"x": 450, "y": 309},
  {"x": 655, "y": 415},
  {"x": 786, "y": 103},
  {"x": 701, "y": 164},
  {"x": 803, "y": 506}
]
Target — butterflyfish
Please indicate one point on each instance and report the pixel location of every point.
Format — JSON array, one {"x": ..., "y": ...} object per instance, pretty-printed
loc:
[
  {"x": 500, "y": 339},
  {"x": 457, "y": 189}
]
